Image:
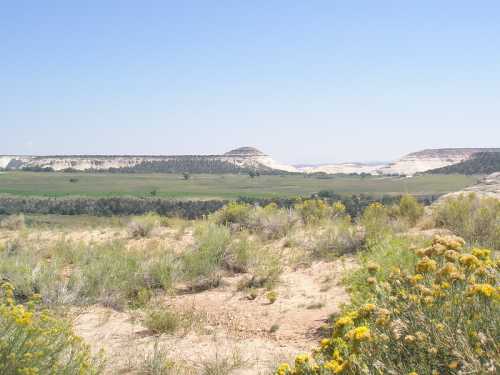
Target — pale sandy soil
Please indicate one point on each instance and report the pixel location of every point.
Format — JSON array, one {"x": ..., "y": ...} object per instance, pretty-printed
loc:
[
  {"x": 232, "y": 324},
  {"x": 229, "y": 325}
]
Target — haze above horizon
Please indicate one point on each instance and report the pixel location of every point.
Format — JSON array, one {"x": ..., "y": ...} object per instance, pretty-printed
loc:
[{"x": 305, "y": 82}]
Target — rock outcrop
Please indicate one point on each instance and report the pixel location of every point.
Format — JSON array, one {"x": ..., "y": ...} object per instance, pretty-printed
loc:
[
  {"x": 427, "y": 160},
  {"x": 238, "y": 160}
]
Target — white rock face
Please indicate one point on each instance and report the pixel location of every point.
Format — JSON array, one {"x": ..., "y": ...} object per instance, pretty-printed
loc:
[
  {"x": 346, "y": 168},
  {"x": 427, "y": 160},
  {"x": 245, "y": 157}
]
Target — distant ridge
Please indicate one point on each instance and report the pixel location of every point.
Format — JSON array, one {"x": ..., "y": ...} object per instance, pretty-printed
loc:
[
  {"x": 239, "y": 160},
  {"x": 478, "y": 163}
]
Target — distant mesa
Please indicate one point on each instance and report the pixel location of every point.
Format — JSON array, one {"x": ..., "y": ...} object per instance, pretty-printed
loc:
[
  {"x": 245, "y": 151},
  {"x": 246, "y": 159}
]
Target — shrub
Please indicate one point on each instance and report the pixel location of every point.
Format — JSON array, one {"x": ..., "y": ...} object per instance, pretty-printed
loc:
[
  {"x": 474, "y": 218},
  {"x": 162, "y": 271},
  {"x": 440, "y": 318},
  {"x": 112, "y": 276},
  {"x": 233, "y": 213},
  {"x": 338, "y": 238},
  {"x": 376, "y": 221},
  {"x": 201, "y": 265},
  {"x": 238, "y": 255},
  {"x": 34, "y": 342},
  {"x": 13, "y": 222},
  {"x": 410, "y": 209},
  {"x": 312, "y": 211},
  {"x": 272, "y": 222},
  {"x": 142, "y": 226},
  {"x": 162, "y": 321}
]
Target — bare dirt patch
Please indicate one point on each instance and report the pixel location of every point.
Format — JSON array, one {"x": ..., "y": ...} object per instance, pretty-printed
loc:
[{"x": 258, "y": 333}]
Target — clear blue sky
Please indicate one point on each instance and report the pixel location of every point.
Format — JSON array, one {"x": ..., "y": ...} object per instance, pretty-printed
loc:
[{"x": 305, "y": 81}]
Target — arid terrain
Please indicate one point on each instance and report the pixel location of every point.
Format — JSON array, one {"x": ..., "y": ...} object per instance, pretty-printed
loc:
[{"x": 240, "y": 292}]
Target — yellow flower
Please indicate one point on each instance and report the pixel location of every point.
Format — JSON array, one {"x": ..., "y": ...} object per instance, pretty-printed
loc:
[
  {"x": 453, "y": 365},
  {"x": 426, "y": 265},
  {"x": 481, "y": 253},
  {"x": 415, "y": 279},
  {"x": 325, "y": 343},
  {"x": 283, "y": 369},
  {"x": 335, "y": 366},
  {"x": 371, "y": 281},
  {"x": 469, "y": 260},
  {"x": 302, "y": 359},
  {"x": 366, "y": 309},
  {"x": 420, "y": 336},
  {"x": 344, "y": 321},
  {"x": 409, "y": 339},
  {"x": 359, "y": 334},
  {"x": 486, "y": 290},
  {"x": 373, "y": 268},
  {"x": 452, "y": 255}
]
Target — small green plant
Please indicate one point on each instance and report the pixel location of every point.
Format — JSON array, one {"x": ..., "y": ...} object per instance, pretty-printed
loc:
[
  {"x": 274, "y": 328},
  {"x": 272, "y": 296},
  {"x": 162, "y": 321}
]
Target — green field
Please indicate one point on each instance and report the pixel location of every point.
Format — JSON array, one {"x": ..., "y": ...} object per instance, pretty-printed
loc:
[{"x": 207, "y": 186}]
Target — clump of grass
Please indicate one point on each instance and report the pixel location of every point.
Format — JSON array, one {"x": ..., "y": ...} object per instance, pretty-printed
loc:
[
  {"x": 338, "y": 238},
  {"x": 158, "y": 362},
  {"x": 438, "y": 317},
  {"x": 113, "y": 276},
  {"x": 239, "y": 253},
  {"x": 201, "y": 265},
  {"x": 222, "y": 365},
  {"x": 271, "y": 222},
  {"x": 142, "y": 226},
  {"x": 13, "y": 222},
  {"x": 162, "y": 321}
]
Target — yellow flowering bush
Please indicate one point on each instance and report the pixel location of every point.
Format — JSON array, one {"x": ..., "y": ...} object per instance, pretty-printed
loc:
[
  {"x": 442, "y": 318},
  {"x": 314, "y": 210},
  {"x": 35, "y": 342}
]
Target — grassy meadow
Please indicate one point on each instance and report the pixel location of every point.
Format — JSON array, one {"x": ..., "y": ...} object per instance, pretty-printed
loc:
[{"x": 219, "y": 186}]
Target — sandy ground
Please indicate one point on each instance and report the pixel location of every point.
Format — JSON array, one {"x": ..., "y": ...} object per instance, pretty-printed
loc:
[
  {"x": 233, "y": 326},
  {"x": 252, "y": 336}
]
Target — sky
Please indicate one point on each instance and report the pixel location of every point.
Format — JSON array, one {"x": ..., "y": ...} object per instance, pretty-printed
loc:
[{"x": 304, "y": 81}]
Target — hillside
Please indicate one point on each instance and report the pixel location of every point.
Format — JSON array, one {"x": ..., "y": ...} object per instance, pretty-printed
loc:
[
  {"x": 240, "y": 160},
  {"x": 431, "y": 159},
  {"x": 480, "y": 163}
]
